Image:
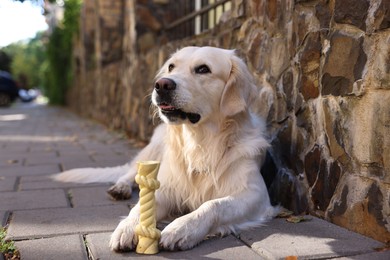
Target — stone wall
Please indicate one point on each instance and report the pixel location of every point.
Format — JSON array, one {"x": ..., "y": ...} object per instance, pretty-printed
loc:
[{"x": 323, "y": 71}]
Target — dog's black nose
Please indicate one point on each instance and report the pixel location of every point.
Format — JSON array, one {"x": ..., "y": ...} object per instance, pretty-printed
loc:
[{"x": 164, "y": 85}]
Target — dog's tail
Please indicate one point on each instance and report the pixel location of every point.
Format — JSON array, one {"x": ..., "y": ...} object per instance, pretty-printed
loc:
[{"x": 90, "y": 175}]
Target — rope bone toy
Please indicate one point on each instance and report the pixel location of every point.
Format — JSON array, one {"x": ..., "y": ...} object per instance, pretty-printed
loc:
[{"x": 148, "y": 234}]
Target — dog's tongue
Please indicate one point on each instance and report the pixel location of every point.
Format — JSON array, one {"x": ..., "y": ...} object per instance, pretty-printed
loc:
[{"x": 167, "y": 107}]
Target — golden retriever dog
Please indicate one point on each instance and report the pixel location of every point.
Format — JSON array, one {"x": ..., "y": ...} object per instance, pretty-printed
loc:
[{"x": 211, "y": 147}]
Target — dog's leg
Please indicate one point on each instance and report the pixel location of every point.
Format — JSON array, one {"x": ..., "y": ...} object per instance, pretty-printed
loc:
[
  {"x": 122, "y": 189},
  {"x": 124, "y": 237},
  {"x": 224, "y": 215},
  {"x": 153, "y": 151}
]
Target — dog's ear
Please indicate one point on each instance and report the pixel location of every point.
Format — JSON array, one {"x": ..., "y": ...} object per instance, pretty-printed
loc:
[{"x": 239, "y": 89}]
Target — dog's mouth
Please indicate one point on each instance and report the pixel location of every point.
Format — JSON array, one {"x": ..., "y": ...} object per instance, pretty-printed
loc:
[{"x": 172, "y": 113}]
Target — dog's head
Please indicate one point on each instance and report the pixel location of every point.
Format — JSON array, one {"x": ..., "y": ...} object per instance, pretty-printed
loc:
[{"x": 198, "y": 83}]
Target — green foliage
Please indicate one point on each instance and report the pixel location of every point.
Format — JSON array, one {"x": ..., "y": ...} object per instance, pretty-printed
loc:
[
  {"x": 5, "y": 61},
  {"x": 58, "y": 70},
  {"x": 26, "y": 59},
  {"x": 6, "y": 247}
]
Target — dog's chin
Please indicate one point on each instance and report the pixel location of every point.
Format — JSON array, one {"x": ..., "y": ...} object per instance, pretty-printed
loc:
[{"x": 177, "y": 116}]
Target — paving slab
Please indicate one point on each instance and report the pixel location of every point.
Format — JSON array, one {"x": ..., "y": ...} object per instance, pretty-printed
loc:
[
  {"x": 43, "y": 148},
  {"x": 76, "y": 156},
  {"x": 3, "y": 217},
  {"x": 74, "y": 153},
  {"x": 55, "y": 159},
  {"x": 313, "y": 239},
  {"x": 44, "y": 182},
  {"x": 54, "y": 248},
  {"x": 64, "y": 149},
  {"x": 385, "y": 255},
  {"x": 214, "y": 248},
  {"x": 36, "y": 199},
  {"x": 97, "y": 196},
  {"x": 48, "y": 168},
  {"x": 6, "y": 155},
  {"x": 64, "y": 221},
  {"x": 7, "y": 183},
  {"x": 8, "y": 161},
  {"x": 12, "y": 147},
  {"x": 112, "y": 161},
  {"x": 38, "y": 158}
]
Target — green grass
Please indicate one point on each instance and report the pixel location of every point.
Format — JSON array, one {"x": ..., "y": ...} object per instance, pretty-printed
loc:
[{"x": 7, "y": 248}]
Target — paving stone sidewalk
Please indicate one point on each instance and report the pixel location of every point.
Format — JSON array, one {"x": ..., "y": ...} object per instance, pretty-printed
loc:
[{"x": 50, "y": 220}]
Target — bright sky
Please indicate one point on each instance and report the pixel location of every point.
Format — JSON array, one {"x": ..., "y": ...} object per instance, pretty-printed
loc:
[{"x": 20, "y": 21}]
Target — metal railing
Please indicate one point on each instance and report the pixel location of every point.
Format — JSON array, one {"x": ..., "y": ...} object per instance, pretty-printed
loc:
[{"x": 198, "y": 16}]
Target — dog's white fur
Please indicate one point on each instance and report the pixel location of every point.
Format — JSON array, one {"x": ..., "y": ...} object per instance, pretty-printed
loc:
[{"x": 210, "y": 169}]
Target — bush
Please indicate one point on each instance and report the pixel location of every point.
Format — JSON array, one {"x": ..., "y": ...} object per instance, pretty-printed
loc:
[{"x": 58, "y": 71}]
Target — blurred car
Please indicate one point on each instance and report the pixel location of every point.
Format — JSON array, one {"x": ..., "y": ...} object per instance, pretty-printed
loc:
[{"x": 9, "y": 90}]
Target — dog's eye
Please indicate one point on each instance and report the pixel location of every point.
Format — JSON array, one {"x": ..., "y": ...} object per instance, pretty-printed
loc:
[
  {"x": 171, "y": 67},
  {"x": 202, "y": 69}
]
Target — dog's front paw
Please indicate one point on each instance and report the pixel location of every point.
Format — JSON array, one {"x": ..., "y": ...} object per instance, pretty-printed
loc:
[
  {"x": 120, "y": 191},
  {"x": 182, "y": 234},
  {"x": 124, "y": 237}
]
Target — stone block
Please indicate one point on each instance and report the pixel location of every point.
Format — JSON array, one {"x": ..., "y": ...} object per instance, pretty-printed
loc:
[
  {"x": 369, "y": 141},
  {"x": 351, "y": 12},
  {"x": 334, "y": 125},
  {"x": 280, "y": 57},
  {"x": 338, "y": 74},
  {"x": 44, "y": 182},
  {"x": 37, "y": 199},
  {"x": 39, "y": 158},
  {"x": 272, "y": 9},
  {"x": 377, "y": 75},
  {"x": 70, "y": 159},
  {"x": 111, "y": 159},
  {"x": 3, "y": 217},
  {"x": 8, "y": 183},
  {"x": 214, "y": 248},
  {"x": 314, "y": 239},
  {"x": 146, "y": 41},
  {"x": 7, "y": 148},
  {"x": 9, "y": 160},
  {"x": 147, "y": 19},
  {"x": 323, "y": 14},
  {"x": 380, "y": 255},
  {"x": 97, "y": 196},
  {"x": 42, "y": 148},
  {"x": 323, "y": 177},
  {"x": 310, "y": 65},
  {"x": 64, "y": 221},
  {"x": 61, "y": 247},
  {"x": 80, "y": 164},
  {"x": 378, "y": 16},
  {"x": 359, "y": 206}
]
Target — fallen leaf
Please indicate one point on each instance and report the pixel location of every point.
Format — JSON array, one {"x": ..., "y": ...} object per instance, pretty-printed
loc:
[
  {"x": 297, "y": 219},
  {"x": 382, "y": 248},
  {"x": 12, "y": 161},
  {"x": 291, "y": 257},
  {"x": 285, "y": 214}
]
